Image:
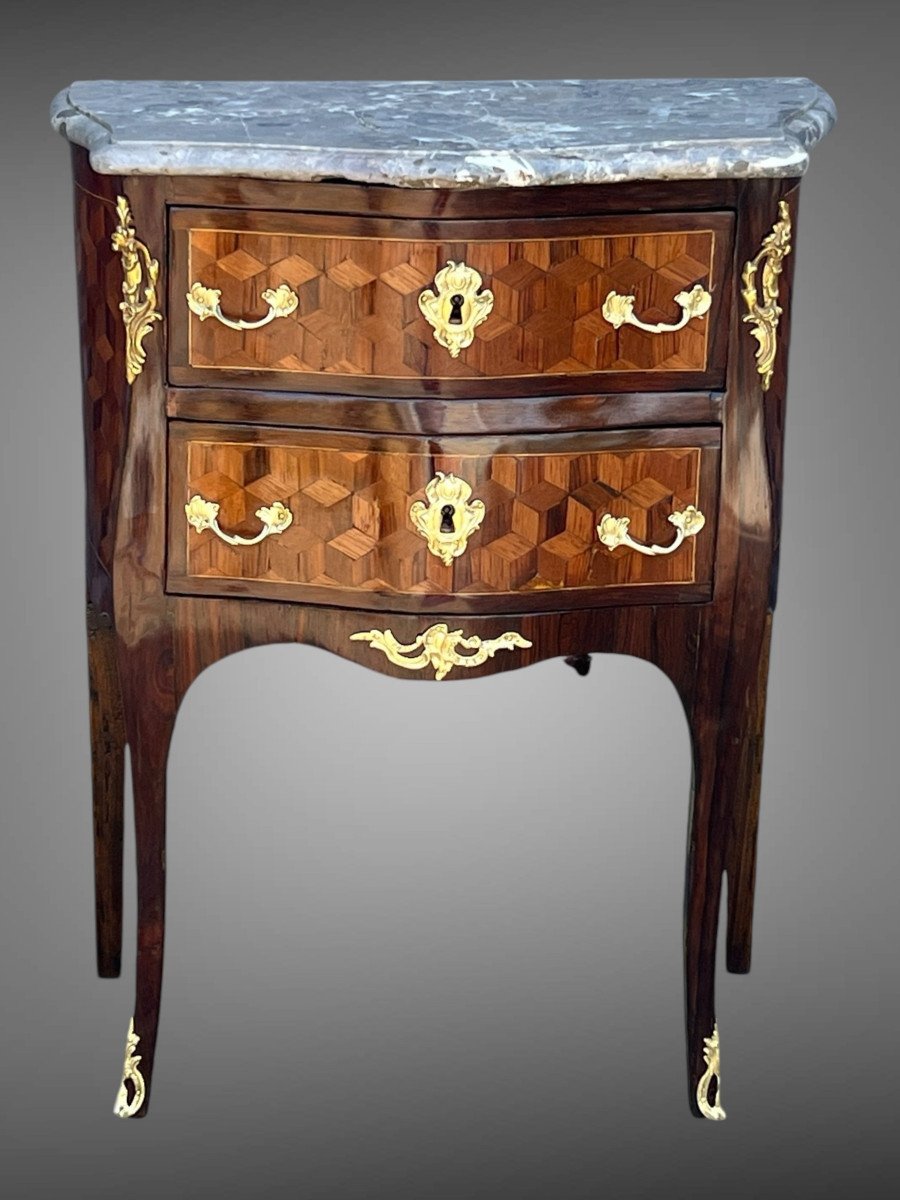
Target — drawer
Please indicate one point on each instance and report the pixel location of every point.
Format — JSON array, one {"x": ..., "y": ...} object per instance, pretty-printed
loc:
[
  {"x": 297, "y": 303},
  {"x": 451, "y": 525}
]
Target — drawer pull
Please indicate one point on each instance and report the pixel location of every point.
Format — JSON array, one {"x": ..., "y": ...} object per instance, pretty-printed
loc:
[
  {"x": 455, "y": 307},
  {"x": 613, "y": 531},
  {"x": 448, "y": 518},
  {"x": 619, "y": 310},
  {"x": 204, "y": 514},
  {"x": 204, "y": 302},
  {"x": 438, "y": 648}
]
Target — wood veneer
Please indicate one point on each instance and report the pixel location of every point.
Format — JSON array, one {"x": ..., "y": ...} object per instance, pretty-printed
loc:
[
  {"x": 105, "y": 398},
  {"x": 432, "y": 416},
  {"x": 342, "y": 198},
  {"x": 351, "y": 541},
  {"x": 358, "y": 283}
]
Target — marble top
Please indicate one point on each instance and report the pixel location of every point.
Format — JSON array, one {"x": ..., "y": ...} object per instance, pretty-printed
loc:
[{"x": 510, "y": 133}]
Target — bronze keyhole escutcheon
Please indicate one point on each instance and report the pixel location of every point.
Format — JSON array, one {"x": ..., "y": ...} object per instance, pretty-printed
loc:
[
  {"x": 448, "y": 517},
  {"x": 455, "y": 306}
]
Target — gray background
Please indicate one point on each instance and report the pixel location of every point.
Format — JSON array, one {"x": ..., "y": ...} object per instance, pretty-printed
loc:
[{"x": 407, "y": 964}]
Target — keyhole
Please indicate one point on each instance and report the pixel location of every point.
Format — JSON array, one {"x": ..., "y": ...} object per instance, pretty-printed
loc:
[
  {"x": 456, "y": 303},
  {"x": 447, "y": 525}
]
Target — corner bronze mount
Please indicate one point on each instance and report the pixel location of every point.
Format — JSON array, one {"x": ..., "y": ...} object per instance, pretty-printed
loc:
[
  {"x": 764, "y": 312},
  {"x": 140, "y": 273}
]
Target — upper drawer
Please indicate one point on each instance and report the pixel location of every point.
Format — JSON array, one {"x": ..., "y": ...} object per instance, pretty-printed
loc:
[{"x": 343, "y": 304}]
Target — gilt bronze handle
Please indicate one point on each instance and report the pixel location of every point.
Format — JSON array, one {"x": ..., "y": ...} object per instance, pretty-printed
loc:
[
  {"x": 205, "y": 303},
  {"x": 204, "y": 514},
  {"x": 613, "y": 531},
  {"x": 619, "y": 310}
]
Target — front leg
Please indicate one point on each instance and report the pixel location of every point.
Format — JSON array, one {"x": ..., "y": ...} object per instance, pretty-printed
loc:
[
  {"x": 150, "y": 708},
  {"x": 726, "y": 711},
  {"x": 703, "y": 891}
]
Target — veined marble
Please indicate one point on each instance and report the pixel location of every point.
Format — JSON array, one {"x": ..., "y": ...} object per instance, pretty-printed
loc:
[{"x": 510, "y": 133}]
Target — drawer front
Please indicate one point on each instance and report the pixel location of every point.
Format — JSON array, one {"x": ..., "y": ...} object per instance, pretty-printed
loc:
[
  {"x": 457, "y": 525},
  {"x": 344, "y": 304}
]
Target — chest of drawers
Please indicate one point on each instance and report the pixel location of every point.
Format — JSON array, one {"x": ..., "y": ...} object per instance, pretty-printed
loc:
[{"x": 444, "y": 411}]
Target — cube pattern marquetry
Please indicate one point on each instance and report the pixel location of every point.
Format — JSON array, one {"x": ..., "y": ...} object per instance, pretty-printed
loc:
[
  {"x": 358, "y": 308},
  {"x": 351, "y": 527}
]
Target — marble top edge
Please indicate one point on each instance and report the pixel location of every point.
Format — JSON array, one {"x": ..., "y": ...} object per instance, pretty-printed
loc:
[{"x": 449, "y": 133}]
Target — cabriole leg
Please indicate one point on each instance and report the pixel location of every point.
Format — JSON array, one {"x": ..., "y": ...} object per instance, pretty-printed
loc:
[
  {"x": 150, "y": 708},
  {"x": 703, "y": 891}
]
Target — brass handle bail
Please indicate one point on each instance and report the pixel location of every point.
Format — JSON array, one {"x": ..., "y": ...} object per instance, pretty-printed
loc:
[
  {"x": 613, "y": 531},
  {"x": 204, "y": 514},
  {"x": 619, "y": 310},
  {"x": 204, "y": 302}
]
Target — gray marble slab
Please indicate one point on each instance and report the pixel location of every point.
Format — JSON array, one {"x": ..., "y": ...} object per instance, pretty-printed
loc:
[{"x": 510, "y": 133}]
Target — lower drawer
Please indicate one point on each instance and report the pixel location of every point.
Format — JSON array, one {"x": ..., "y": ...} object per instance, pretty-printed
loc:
[{"x": 488, "y": 524}]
